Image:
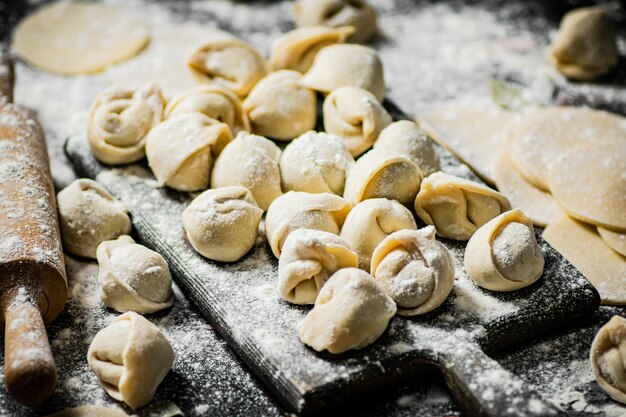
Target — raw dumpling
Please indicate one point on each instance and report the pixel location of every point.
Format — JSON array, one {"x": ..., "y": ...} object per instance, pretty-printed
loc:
[
  {"x": 308, "y": 259},
  {"x": 119, "y": 121},
  {"x": 356, "y": 116},
  {"x": 315, "y": 162},
  {"x": 608, "y": 358},
  {"x": 409, "y": 139},
  {"x": 346, "y": 65},
  {"x": 503, "y": 254},
  {"x": 371, "y": 221},
  {"x": 296, "y": 50},
  {"x": 230, "y": 62},
  {"x": 252, "y": 162},
  {"x": 130, "y": 357},
  {"x": 222, "y": 224},
  {"x": 214, "y": 101},
  {"x": 281, "y": 107},
  {"x": 133, "y": 277},
  {"x": 334, "y": 13},
  {"x": 89, "y": 215},
  {"x": 414, "y": 269},
  {"x": 296, "y": 210},
  {"x": 350, "y": 312},
  {"x": 385, "y": 175},
  {"x": 586, "y": 45},
  {"x": 456, "y": 206},
  {"x": 181, "y": 150}
]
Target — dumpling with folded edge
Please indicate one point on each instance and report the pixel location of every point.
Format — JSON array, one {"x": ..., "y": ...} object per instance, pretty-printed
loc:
[
  {"x": 608, "y": 358},
  {"x": 335, "y": 13}
]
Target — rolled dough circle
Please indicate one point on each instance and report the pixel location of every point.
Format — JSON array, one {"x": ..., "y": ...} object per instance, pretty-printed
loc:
[{"x": 617, "y": 241}]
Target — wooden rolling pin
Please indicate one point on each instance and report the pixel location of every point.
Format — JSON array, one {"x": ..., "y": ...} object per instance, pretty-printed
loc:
[{"x": 33, "y": 285}]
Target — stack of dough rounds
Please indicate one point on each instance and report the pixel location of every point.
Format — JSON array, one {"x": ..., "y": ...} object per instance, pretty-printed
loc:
[
  {"x": 336, "y": 13},
  {"x": 119, "y": 121},
  {"x": 608, "y": 358},
  {"x": 355, "y": 115},
  {"x": 130, "y": 357},
  {"x": 315, "y": 162},
  {"x": 133, "y": 277},
  {"x": 222, "y": 224},
  {"x": 281, "y": 107},
  {"x": 350, "y": 312},
  {"x": 309, "y": 257},
  {"x": 89, "y": 215},
  {"x": 250, "y": 161},
  {"x": 415, "y": 270},
  {"x": 181, "y": 150}
]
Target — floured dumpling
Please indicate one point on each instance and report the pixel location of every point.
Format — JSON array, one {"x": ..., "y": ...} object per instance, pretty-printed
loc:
[
  {"x": 119, "y": 121},
  {"x": 503, "y": 254},
  {"x": 280, "y": 106},
  {"x": 315, "y": 162},
  {"x": 130, "y": 357},
  {"x": 297, "y": 210},
  {"x": 350, "y": 312},
  {"x": 309, "y": 257},
  {"x": 456, "y": 206},
  {"x": 335, "y": 13},
  {"x": 608, "y": 358},
  {"x": 414, "y": 269},
  {"x": 356, "y": 116},
  {"x": 181, "y": 150},
  {"x": 133, "y": 277},
  {"x": 222, "y": 224},
  {"x": 252, "y": 162}
]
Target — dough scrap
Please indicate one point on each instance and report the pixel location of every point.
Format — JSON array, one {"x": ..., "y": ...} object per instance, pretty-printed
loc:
[
  {"x": 608, "y": 358},
  {"x": 89, "y": 411},
  {"x": 617, "y": 241},
  {"x": 336, "y": 13}
]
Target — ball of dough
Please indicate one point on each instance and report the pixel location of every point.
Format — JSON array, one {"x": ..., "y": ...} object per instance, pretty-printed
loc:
[
  {"x": 371, "y": 221},
  {"x": 119, "y": 121},
  {"x": 250, "y": 161},
  {"x": 608, "y": 358},
  {"x": 296, "y": 50},
  {"x": 350, "y": 312},
  {"x": 503, "y": 254},
  {"x": 315, "y": 162},
  {"x": 585, "y": 46},
  {"x": 230, "y": 62},
  {"x": 222, "y": 224},
  {"x": 89, "y": 215},
  {"x": 346, "y": 65},
  {"x": 356, "y": 116},
  {"x": 297, "y": 210},
  {"x": 414, "y": 269},
  {"x": 181, "y": 150},
  {"x": 334, "y": 13},
  {"x": 133, "y": 277},
  {"x": 130, "y": 357},
  {"x": 309, "y": 257},
  {"x": 457, "y": 207},
  {"x": 281, "y": 107}
]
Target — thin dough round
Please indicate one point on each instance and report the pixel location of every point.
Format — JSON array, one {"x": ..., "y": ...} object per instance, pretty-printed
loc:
[
  {"x": 617, "y": 241},
  {"x": 608, "y": 358},
  {"x": 335, "y": 13},
  {"x": 89, "y": 411}
]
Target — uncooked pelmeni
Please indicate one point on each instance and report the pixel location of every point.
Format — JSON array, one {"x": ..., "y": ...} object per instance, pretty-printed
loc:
[
  {"x": 408, "y": 138},
  {"x": 346, "y": 65},
  {"x": 252, "y": 162},
  {"x": 222, "y": 224},
  {"x": 350, "y": 312},
  {"x": 181, "y": 150},
  {"x": 456, "y": 206},
  {"x": 371, "y": 221},
  {"x": 334, "y": 13},
  {"x": 608, "y": 358},
  {"x": 503, "y": 254},
  {"x": 315, "y": 162},
  {"x": 119, "y": 121},
  {"x": 617, "y": 241},
  {"x": 296, "y": 50},
  {"x": 356, "y": 116},
  {"x": 89, "y": 215},
  {"x": 382, "y": 174},
  {"x": 414, "y": 269},
  {"x": 309, "y": 257},
  {"x": 130, "y": 357},
  {"x": 297, "y": 210},
  {"x": 280, "y": 106},
  {"x": 230, "y": 62},
  {"x": 133, "y": 277}
]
